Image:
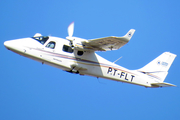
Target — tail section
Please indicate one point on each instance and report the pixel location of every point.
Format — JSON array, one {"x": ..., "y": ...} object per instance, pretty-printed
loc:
[
  {"x": 158, "y": 68},
  {"x": 129, "y": 34}
]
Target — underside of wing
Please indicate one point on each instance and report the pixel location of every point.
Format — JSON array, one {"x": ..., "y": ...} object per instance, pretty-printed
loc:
[{"x": 108, "y": 43}]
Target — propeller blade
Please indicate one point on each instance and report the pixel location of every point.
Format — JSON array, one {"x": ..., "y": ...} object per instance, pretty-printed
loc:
[{"x": 71, "y": 29}]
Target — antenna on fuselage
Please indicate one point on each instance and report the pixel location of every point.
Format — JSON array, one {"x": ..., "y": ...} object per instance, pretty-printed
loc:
[{"x": 117, "y": 59}]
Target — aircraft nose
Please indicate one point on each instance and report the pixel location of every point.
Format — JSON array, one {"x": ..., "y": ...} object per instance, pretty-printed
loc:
[
  {"x": 10, "y": 44},
  {"x": 7, "y": 44}
]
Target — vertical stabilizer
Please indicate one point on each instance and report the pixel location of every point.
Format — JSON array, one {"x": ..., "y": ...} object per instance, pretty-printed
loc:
[{"x": 158, "y": 68}]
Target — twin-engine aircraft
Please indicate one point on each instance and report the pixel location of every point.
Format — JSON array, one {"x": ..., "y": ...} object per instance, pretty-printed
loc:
[{"x": 77, "y": 55}]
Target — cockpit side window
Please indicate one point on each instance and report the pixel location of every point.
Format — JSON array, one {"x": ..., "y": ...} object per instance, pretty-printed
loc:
[
  {"x": 51, "y": 45},
  {"x": 41, "y": 39},
  {"x": 67, "y": 48}
]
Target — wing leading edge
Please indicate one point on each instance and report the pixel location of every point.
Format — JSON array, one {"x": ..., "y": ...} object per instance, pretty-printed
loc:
[{"x": 108, "y": 43}]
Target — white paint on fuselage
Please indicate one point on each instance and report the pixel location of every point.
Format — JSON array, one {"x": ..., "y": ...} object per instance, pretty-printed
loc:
[{"x": 94, "y": 64}]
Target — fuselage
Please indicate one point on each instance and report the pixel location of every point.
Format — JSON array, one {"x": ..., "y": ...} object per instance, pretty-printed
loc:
[{"x": 59, "y": 53}]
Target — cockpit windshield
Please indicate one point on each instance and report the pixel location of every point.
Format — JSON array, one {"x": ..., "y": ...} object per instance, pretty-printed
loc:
[{"x": 41, "y": 39}]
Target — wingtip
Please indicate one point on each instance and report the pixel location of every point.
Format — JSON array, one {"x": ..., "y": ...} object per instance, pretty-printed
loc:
[{"x": 129, "y": 34}]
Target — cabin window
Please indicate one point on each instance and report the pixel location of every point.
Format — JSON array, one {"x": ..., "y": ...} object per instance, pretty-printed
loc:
[
  {"x": 51, "y": 45},
  {"x": 41, "y": 39},
  {"x": 67, "y": 48},
  {"x": 80, "y": 53}
]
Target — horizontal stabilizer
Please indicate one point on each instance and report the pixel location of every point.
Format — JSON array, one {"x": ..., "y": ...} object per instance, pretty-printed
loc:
[{"x": 162, "y": 84}]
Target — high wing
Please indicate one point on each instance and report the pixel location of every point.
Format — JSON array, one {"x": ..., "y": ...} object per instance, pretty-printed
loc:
[{"x": 108, "y": 43}]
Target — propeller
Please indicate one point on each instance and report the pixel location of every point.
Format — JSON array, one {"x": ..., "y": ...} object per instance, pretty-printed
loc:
[
  {"x": 73, "y": 40},
  {"x": 70, "y": 33},
  {"x": 71, "y": 29}
]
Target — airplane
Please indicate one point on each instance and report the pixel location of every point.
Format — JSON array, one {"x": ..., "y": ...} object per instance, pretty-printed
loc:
[{"x": 77, "y": 55}]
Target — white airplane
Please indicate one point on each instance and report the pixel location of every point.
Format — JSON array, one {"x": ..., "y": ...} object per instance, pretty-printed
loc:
[{"x": 77, "y": 55}]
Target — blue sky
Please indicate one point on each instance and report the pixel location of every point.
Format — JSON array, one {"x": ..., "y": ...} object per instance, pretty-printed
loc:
[{"x": 32, "y": 91}]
